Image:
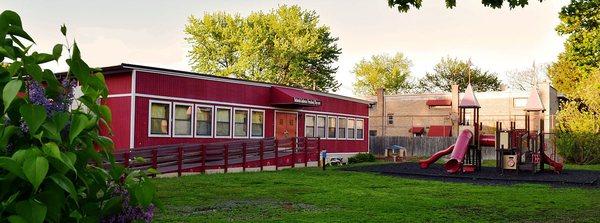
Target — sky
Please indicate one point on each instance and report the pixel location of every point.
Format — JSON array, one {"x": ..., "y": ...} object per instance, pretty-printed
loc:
[{"x": 150, "y": 32}]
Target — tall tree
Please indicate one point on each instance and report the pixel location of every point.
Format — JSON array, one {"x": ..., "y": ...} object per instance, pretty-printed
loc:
[
  {"x": 527, "y": 78},
  {"x": 405, "y": 5},
  {"x": 451, "y": 71},
  {"x": 577, "y": 75},
  {"x": 284, "y": 46},
  {"x": 382, "y": 71}
]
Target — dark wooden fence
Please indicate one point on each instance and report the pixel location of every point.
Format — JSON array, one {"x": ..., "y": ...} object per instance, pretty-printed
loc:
[
  {"x": 417, "y": 146},
  {"x": 256, "y": 153}
]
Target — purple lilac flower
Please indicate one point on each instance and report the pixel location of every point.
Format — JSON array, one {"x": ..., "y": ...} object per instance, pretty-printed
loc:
[
  {"x": 129, "y": 213},
  {"x": 62, "y": 102}
]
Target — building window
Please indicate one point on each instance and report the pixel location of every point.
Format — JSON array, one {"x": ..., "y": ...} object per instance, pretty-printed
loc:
[
  {"x": 240, "y": 128},
  {"x": 321, "y": 130},
  {"x": 258, "y": 124},
  {"x": 360, "y": 129},
  {"x": 342, "y": 128},
  {"x": 223, "y": 122},
  {"x": 204, "y": 121},
  {"x": 183, "y": 120},
  {"x": 390, "y": 119},
  {"x": 519, "y": 102},
  {"x": 351, "y": 128},
  {"x": 332, "y": 127},
  {"x": 309, "y": 126},
  {"x": 159, "y": 118}
]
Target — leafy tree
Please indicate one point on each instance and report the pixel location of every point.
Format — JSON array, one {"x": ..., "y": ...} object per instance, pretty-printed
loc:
[
  {"x": 284, "y": 46},
  {"x": 382, "y": 71},
  {"x": 451, "y": 71},
  {"x": 55, "y": 166},
  {"x": 405, "y": 5},
  {"x": 527, "y": 78},
  {"x": 577, "y": 75}
]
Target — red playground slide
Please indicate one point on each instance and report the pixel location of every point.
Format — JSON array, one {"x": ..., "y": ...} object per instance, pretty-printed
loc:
[
  {"x": 425, "y": 163},
  {"x": 458, "y": 151},
  {"x": 558, "y": 167},
  {"x": 460, "y": 148}
]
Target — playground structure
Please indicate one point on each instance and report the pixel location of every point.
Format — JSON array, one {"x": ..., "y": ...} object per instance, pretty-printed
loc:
[{"x": 516, "y": 149}]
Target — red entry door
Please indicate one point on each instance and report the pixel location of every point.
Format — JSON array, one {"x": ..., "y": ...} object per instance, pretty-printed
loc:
[{"x": 286, "y": 125}]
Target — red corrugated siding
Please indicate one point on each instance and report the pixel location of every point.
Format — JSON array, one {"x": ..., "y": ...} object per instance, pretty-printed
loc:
[
  {"x": 119, "y": 83},
  {"x": 209, "y": 90},
  {"x": 120, "y": 109}
]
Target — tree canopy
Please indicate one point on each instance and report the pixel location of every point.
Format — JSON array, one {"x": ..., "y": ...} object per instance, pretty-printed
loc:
[
  {"x": 284, "y": 46},
  {"x": 382, "y": 71},
  {"x": 451, "y": 71},
  {"x": 405, "y": 5},
  {"x": 577, "y": 75}
]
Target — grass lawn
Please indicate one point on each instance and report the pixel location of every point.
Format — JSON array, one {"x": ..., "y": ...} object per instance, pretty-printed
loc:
[{"x": 313, "y": 195}]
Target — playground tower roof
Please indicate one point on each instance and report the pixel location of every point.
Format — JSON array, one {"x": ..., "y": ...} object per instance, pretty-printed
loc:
[
  {"x": 469, "y": 100},
  {"x": 534, "y": 103}
]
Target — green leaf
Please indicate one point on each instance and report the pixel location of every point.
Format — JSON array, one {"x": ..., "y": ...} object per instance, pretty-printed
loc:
[
  {"x": 40, "y": 58},
  {"x": 112, "y": 206},
  {"x": 57, "y": 51},
  {"x": 35, "y": 169},
  {"x": 32, "y": 211},
  {"x": 11, "y": 18},
  {"x": 34, "y": 71},
  {"x": 144, "y": 193},
  {"x": 78, "y": 124},
  {"x": 105, "y": 112},
  {"x": 66, "y": 184},
  {"x": 34, "y": 116},
  {"x": 7, "y": 133},
  {"x": 10, "y": 92},
  {"x": 21, "y": 155},
  {"x": 63, "y": 30},
  {"x": 14, "y": 67},
  {"x": 52, "y": 150},
  {"x": 16, "y": 219},
  {"x": 12, "y": 166}
]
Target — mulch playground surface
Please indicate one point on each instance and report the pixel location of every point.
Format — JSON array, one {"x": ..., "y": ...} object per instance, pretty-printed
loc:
[{"x": 487, "y": 175}]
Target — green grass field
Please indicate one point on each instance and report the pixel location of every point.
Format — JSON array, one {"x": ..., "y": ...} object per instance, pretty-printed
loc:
[{"x": 313, "y": 195}]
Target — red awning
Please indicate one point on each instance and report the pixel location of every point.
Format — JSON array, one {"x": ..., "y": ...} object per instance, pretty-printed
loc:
[
  {"x": 417, "y": 130},
  {"x": 440, "y": 131},
  {"x": 294, "y": 97},
  {"x": 439, "y": 102}
]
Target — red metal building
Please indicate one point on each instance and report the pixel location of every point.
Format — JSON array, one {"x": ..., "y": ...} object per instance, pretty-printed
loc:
[{"x": 155, "y": 106}]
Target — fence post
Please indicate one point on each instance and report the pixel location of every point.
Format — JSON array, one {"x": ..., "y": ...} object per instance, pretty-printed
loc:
[
  {"x": 179, "y": 160},
  {"x": 225, "y": 157},
  {"x": 154, "y": 160},
  {"x": 276, "y": 155},
  {"x": 319, "y": 147},
  {"x": 294, "y": 151},
  {"x": 126, "y": 159},
  {"x": 243, "y": 157},
  {"x": 261, "y": 149},
  {"x": 305, "y": 152},
  {"x": 203, "y": 158}
]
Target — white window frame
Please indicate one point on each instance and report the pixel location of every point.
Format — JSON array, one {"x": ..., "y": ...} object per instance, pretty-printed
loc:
[
  {"x": 247, "y": 123},
  {"x": 314, "y": 127},
  {"x": 356, "y": 128},
  {"x": 230, "y": 122},
  {"x": 263, "y": 123},
  {"x": 336, "y": 127},
  {"x": 150, "y": 102},
  {"x": 191, "y": 135},
  {"x": 212, "y": 118},
  {"x": 345, "y": 128},
  {"x": 324, "y": 126}
]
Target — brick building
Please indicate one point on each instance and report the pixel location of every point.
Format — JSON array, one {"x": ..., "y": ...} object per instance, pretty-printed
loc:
[{"x": 435, "y": 114}]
